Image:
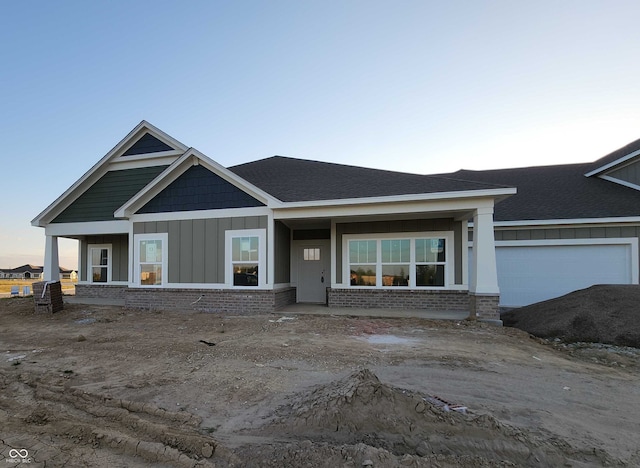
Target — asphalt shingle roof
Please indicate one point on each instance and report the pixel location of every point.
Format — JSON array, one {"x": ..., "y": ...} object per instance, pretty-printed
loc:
[
  {"x": 292, "y": 180},
  {"x": 558, "y": 192},
  {"x": 617, "y": 154}
]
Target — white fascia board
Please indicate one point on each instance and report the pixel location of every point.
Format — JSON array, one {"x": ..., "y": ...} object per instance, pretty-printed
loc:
[
  {"x": 97, "y": 170},
  {"x": 620, "y": 182},
  {"x": 200, "y": 214},
  {"x": 92, "y": 228},
  {"x": 617, "y": 162},
  {"x": 191, "y": 157},
  {"x": 565, "y": 222},
  {"x": 467, "y": 194},
  {"x": 385, "y": 206}
]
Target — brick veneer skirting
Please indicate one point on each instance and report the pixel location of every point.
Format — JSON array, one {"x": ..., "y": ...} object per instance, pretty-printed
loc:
[
  {"x": 399, "y": 299},
  {"x": 223, "y": 301},
  {"x": 486, "y": 307},
  {"x": 102, "y": 291}
]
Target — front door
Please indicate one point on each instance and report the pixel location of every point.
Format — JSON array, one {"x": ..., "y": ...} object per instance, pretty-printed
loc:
[{"x": 313, "y": 272}]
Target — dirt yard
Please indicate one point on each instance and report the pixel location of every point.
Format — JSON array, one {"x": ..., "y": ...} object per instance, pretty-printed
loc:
[{"x": 101, "y": 386}]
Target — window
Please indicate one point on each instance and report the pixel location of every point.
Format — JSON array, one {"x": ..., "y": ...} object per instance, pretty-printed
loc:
[
  {"x": 151, "y": 259},
  {"x": 397, "y": 260},
  {"x": 362, "y": 262},
  {"x": 245, "y": 257},
  {"x": 312, "y": 254},
  {"x": 430, "y": 262},
  {"x": 99, "y": 264}
]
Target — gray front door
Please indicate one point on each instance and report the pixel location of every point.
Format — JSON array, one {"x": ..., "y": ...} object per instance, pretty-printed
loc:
[{"x": 313, "y": 272}]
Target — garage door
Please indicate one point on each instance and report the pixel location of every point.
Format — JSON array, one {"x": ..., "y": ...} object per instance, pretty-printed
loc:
[{"x": 533, "y": 273}]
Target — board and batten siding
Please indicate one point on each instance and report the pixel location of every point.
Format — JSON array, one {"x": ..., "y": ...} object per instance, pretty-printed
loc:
[
  {"x": 197, "y": 246},
  {"x": 282, "y": 254},
  {"x": 629, "y": 173},
  {"x": 402, "y": 226},
  {"x": 119, "y": 255}
]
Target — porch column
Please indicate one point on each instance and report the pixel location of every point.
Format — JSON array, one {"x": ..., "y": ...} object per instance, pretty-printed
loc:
[
  {"x": 484, "y": 292},
  {"x": 51, "y": 262}
]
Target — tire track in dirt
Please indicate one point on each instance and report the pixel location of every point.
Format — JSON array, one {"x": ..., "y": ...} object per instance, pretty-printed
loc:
[{"x": 98, "y": 423}]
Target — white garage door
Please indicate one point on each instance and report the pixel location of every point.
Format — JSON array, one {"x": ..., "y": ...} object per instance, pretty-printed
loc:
[{"x": 533, "y": 273}]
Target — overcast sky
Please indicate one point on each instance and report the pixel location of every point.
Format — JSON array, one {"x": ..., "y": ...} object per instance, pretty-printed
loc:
[{"x": 417, "y": 86}]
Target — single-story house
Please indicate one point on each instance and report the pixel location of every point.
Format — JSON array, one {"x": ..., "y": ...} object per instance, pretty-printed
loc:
[
  {"x": 26, "y": 272},
  {"x": 161, "y": 225},
  {"x": 568, "y": 227}
]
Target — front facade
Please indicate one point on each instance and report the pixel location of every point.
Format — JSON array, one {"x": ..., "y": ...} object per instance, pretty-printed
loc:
[
  {"x": 162, "y": 226},
  {"x": 568, "y": 227}
]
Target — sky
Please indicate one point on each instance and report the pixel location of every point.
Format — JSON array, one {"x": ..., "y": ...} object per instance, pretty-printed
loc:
[{"x": 415, "y": 86}]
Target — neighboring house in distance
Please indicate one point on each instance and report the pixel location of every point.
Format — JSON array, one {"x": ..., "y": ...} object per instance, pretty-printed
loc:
[
  {"x": 28, "y": 272},
  {"x": 569, "y": 226},
  {"x": 161, "y": 225}
]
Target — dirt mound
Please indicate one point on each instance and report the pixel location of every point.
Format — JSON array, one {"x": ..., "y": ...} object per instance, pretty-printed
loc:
[
  {"x": 600, "y": 314},
  {"x": 358, "y": 418}
]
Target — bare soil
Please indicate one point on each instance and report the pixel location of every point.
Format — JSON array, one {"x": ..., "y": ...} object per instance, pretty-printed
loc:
[{"x": 105, "y": 386}]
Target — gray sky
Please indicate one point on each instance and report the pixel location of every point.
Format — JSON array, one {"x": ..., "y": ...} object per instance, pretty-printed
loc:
[{"x": 416, "y": 86}]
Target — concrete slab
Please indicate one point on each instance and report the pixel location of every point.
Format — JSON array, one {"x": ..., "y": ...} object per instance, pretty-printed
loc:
[
  {"x": 94, "y": 301},
  {"x": 321, "y": 309}
]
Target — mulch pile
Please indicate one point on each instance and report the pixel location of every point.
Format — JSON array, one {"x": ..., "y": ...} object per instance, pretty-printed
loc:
[{"x": 600, "y": 314}]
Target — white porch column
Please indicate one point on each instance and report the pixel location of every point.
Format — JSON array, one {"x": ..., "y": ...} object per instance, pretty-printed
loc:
[
  {"x": 484, "y": 291},
  {"x": 51, "y": 262}
]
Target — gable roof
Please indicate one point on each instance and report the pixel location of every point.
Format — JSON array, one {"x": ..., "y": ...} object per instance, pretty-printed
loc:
[
  {"x": 614, "y": 159},
  {"x": 299, "y": 180},
  {"x": 557, "y": 192},
  {"x": 99, "y": 169}
]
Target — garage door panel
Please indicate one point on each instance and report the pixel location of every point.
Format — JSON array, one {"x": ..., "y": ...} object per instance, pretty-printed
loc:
[{"x": 528, "y": 274}]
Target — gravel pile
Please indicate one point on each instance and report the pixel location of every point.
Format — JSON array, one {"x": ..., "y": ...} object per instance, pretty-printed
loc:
[{"x": 607, "y": 314}]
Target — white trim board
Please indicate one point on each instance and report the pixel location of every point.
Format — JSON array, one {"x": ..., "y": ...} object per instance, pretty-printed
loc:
[
  {"x": 201, "y": 214},
  {"x": 624, "y": 183},
  {"x": 612, "y": 164}
]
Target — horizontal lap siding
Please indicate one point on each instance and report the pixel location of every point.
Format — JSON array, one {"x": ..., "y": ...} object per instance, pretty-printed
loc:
[
  {"x": 110, "y": 192},
  {"x": 196, "y": 247}
]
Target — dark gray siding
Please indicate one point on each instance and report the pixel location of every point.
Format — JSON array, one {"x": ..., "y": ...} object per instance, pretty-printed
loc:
[
  {"x": 199, "y": 189},
  {"x": 108, "y": 194},
  {"x": 147, "y": 144},
  {"x": 119, "y": 255},
  {"x": 196, "y": 247},
  {"x": 282, "y": 253},
  {"x": 412, "y": 225},
  {"x": 630, "y": 173}
]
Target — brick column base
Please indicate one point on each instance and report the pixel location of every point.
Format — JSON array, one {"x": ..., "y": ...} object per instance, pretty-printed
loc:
[{"x": 485, "y": 308}]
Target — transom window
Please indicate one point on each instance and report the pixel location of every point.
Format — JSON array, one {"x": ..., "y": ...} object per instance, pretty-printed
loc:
[
  {"x": 99, "y": 264},
  {"x": 398, "y": 261}
]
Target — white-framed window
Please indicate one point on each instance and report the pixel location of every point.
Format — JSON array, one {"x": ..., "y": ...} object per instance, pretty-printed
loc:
[
  {"x": 311, "y": 254},
  {"x": 99, "y": 263},
  {"x": 409, "y": 260},
  {"x": 245, "y": 258},
  {"x": 150, "y": 257}
]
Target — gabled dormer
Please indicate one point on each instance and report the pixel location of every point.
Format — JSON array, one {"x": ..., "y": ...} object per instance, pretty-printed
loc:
[{"x": 620, "y": 167}]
